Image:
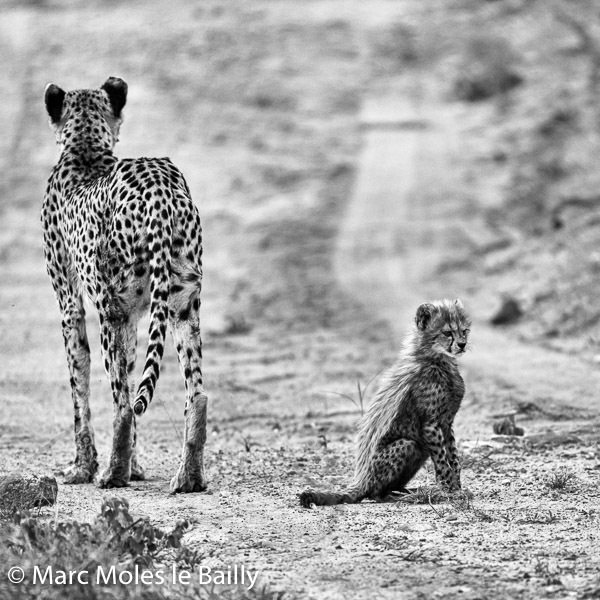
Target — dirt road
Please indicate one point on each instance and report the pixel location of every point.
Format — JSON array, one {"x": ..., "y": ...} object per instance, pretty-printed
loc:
[
  {"x": 407, "y": 218},
  {"x": 272, "y": 174}
]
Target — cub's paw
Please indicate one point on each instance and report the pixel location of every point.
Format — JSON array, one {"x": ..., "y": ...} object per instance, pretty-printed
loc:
[{"x": 188, "y": 482}]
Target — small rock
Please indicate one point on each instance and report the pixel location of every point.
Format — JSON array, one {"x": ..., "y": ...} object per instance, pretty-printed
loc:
[
  {"x": 21, "y": 491},
  {"x": 417, "y": 527},
  {"x": 507, "y": 427},
  {"x": 510, "y": 312}
]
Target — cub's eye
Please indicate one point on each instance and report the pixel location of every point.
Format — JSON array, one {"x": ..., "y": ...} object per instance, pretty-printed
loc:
[
  {"x": 447, "y": 333},
  {"x": 466, "y": 332}
]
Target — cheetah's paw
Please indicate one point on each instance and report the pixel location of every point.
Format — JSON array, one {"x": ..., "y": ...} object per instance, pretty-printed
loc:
[
  {"x": 185, "y": 482},
  {"x": 137, "y": 471},
  {"x": 75, "y": 474},
  {"x": 113, "y": 478}
]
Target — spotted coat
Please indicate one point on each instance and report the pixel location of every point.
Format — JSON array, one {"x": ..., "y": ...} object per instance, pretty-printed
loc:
[
  {"x": 411, "y": 417},
  {"x": 126, "y": 235}
]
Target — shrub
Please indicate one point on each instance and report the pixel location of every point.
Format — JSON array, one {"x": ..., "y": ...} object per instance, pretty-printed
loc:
[
  {"x": 488, "y": 68},
  {"x": 115, "y": 541},
  {"x": 116, "y": 546}
]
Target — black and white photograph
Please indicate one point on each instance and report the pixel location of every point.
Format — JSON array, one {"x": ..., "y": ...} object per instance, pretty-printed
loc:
[{"x": 300, "y": 299}]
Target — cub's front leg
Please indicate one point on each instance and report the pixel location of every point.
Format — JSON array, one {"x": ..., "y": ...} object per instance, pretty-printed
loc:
[
  {"x": 452, "y": 454},
  {"x": 433, "y": 437}
]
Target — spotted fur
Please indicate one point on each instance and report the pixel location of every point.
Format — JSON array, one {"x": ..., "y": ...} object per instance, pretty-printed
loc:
[
  {"x": 126, "y": 235},
  {"x": 411, "y": 417}
]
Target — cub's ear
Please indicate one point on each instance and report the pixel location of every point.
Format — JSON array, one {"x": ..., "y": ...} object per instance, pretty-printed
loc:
[
  {"x": 116, "y": 90},
  {"x": 462, "y": 313},
  {"x": 54, "y": 98},
  {"x": 424, "y": 314}
]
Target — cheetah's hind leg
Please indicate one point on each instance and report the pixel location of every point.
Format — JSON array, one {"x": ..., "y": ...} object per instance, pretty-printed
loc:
[
  {"x": 394, "y": 466},
  {"x": 137, "y": 471},
  {"x": 84, "y": 467},
  {"x": 115, "y": 339},
  {"x": 185, "y": 326}
]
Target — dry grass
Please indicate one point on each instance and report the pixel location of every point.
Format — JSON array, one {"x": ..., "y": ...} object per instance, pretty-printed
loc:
[{"x": 561, "y": 480}]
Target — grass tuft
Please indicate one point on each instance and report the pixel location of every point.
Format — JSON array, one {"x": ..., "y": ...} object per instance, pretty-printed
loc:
[{"x": 561, "y": 480}]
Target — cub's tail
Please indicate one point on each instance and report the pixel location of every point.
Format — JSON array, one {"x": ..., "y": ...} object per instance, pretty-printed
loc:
[{"x": 352, "y": 495}]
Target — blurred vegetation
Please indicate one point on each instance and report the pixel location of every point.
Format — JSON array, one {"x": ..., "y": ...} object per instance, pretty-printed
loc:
[{"x": 117, "y": 540}]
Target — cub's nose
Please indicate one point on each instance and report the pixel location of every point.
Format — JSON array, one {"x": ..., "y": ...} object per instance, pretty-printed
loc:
[{"x": 461, "y": 345}]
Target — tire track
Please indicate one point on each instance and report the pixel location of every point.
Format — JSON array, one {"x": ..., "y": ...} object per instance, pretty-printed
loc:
[{"x": 403, "y": 219}]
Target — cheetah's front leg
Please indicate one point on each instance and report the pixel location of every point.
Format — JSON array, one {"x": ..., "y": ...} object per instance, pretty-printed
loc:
[
  {"x": 434, "y": 438},
  {"x": 452, "y": 454}
]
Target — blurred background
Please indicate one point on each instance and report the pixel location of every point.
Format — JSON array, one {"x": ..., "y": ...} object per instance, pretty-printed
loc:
[
  {"x": 262, "y": 106},
  {"x": 350, "y": 159}
]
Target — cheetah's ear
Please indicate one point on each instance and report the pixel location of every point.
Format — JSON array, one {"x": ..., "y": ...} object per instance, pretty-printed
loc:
[
  {"x": 54, "y": 98},
  {"x": 116, "y": 90},
  {"x": 462, "y": 312},
  {"x": 424, "y": 314}
]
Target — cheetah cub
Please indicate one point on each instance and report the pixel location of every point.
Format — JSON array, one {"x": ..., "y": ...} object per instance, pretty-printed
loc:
[{"x": 412, "y": 415}]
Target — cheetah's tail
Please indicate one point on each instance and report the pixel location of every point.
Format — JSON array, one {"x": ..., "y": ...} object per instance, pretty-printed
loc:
[
  {"x": 159, "y": 225},
  {"x": 352, "y": 495}
]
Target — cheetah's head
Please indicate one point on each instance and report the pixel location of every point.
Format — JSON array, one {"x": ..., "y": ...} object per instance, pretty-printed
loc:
[
  {"x": 87, "y": 118},
  {"x": 444, "y": 327}
]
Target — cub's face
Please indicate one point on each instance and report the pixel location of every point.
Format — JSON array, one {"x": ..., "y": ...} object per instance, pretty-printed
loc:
[
  {"x": 444, "y": 326},
  {"x": 451, "y": 338}
]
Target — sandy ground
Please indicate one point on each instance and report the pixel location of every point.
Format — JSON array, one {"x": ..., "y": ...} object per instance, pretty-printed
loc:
[{"x": 327, "y": 278}]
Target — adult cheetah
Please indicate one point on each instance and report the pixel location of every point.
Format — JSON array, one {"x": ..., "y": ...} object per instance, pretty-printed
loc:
[
  {"x": 411, "y": 417},
  {"x": 126, "y": 234}
]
